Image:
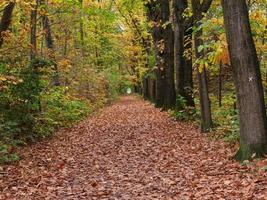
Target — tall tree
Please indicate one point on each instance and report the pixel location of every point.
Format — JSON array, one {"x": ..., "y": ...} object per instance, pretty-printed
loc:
[
  {"x": 33, "y": 24},
  {"x": 198, "y": 13},
  {"x": 50, "y": 44},
  {"x": 183, "y": 65},
  {"x": 6, "y": 20},
  {"x": 154, "y": 15},
  {"x": 246, "y": 70},
  {"x": 168, "y": 56},
  {"x": 82, "y": 28}
]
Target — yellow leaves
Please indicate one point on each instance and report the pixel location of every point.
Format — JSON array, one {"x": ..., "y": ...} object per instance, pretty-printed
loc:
[
  {"x": 2, "y": 78},
  {"x": 219, "y": 51},
  {"x": 64, "y": 64},
  {"x": 43, "y": 12},
  {"x": 7, "y": 36},
  {"x": 202, "y": 64},
  {"x": 5, "y": 81},
  {"x": 217, "y": 21},
  {"x": 3, "y": 4},
  {"x": 187, "y": 13},
  {"x": 151, "y": 24},
  {"x": 221, "y": 55},
  {"x": 133, "y": 79},
  {"x": 259, "y": 16}
]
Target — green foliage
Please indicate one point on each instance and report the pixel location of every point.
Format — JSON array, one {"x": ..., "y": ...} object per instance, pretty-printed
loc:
[
  {"x": 233, "y": 135},
  {"x": 183, "y": 112},
  {"x": 20, "y": 104},
  {"x": 31, "y": 109},
  {"x": 60, "y": 109},
  {"x": 226, "y": 118},
  {"x": 5, "y": 155}
]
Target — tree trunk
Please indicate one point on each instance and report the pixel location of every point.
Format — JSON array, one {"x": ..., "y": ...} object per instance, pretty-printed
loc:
[
  {"x": 183, "y": 73},
  {"x": 154, "y": 15},
  {"x": 6, "y": 20},
  {"x": 145, "y": 88},
  {"x": 160, "y": 85},
  {"x": 189, "y": 69},
  {"x": 82, "y": 28},
  {"x": 205, "y": 107},
  {"x": 220, "y": 85},
  {"x": 168, "y": 56},
  {"x": 50, "y": 45},
  {"x": 48, "y": 34},
  {"x": 33, "y": 39},
  {"x": 246, "y": 70},
  {"x": 153, "y": 89}
]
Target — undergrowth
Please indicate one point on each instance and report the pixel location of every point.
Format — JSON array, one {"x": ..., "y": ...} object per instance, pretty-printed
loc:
[
  {"x": 33, "y": 108},
  {"x": 225, "y": 117}
]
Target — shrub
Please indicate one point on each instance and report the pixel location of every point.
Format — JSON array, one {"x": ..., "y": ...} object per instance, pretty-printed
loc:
[{"x": 183, "y": 112}]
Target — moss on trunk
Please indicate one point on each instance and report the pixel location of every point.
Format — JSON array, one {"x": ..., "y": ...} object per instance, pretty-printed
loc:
[{"x": 249, "y": 152}]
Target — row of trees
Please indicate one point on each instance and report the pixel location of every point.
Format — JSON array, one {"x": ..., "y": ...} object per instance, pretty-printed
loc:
[{"x": 180, "y": 48}]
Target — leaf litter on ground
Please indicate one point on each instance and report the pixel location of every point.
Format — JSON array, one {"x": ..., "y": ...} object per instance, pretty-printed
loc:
[{"x": 132, "y": 151}]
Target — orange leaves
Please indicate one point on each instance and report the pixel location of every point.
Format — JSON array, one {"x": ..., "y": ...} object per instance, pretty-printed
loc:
[
  {"x": 128, "y": 150},
  {"x": 221, "y": 53},
  {"x": 7, "y": 36},
  {"x": 65, "y": 65}
]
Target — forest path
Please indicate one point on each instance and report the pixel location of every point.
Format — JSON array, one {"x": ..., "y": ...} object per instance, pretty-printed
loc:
[{"x": 130, "y": 150}]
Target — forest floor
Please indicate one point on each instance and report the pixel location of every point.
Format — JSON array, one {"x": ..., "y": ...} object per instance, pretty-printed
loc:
[{"x": 130, "y": 150}]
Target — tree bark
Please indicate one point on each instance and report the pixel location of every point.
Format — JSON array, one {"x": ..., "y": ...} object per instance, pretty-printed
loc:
[
  {"x": 82, "y": 28},
  {"x": 220, "y": 85},
  {"x": 248, "y": 82},
  {"x": 153, "y": 89},
  {"x": 154, "y": 15},
  {"x": 146, "y": 88},
  {"x": 183, "y": 66},
  {"x": 189, "y": 68},
  {"x": 33, "y": 38},
  {"x": 168, "y": 56},
  {"x": 50, "y": 45},
  {"x": 6, "y": 20},
  {"x": 205, "y": 107}
]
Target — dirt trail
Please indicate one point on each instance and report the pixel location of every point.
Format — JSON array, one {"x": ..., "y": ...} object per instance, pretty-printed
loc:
[{"x": 130, "y": 151}]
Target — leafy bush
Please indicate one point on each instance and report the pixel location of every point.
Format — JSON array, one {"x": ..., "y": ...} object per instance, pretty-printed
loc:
[
  {"x": 226, "y": 118},
  {"x": 20, "y": 103},
  {"x": 183, "y": 112},
  {"x": 233, "y": 135},
  {"x": 30, "y": 109},
  {"x": 60, "y": 109},
  {"x": 5, "y": 155}
]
